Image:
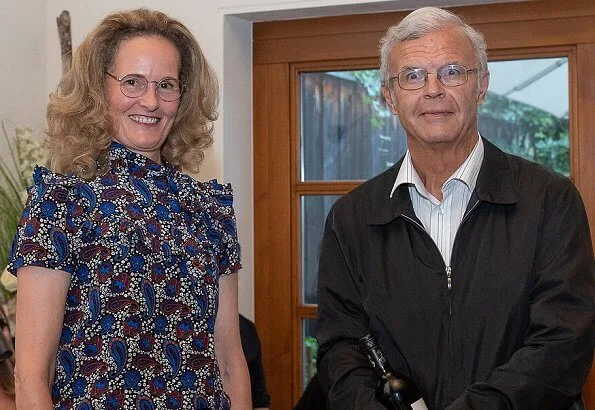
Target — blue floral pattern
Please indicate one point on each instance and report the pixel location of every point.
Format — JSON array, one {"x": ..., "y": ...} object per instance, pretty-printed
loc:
[{"x": 145, "y": 245}]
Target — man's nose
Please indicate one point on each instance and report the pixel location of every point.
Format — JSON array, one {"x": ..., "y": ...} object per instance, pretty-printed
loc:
[{"x": 433, "y": 87}]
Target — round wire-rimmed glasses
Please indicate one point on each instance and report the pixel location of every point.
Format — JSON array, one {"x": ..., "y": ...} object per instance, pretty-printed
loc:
[
  {"x": 136, "y": 85},
  {"x": 451, "y": 75}
]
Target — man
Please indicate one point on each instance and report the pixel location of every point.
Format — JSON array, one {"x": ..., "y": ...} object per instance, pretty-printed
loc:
[{"x": 473, "y": 268}]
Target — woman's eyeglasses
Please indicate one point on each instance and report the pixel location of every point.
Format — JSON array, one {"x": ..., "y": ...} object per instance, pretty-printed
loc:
[{"x": 135, "y": 85}]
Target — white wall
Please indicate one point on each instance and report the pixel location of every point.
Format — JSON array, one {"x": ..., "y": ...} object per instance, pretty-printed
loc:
[
  {"x": 206, "y": 21},
  {"x": 22, "y": 59},
  {"x": 30, "y": 69}
]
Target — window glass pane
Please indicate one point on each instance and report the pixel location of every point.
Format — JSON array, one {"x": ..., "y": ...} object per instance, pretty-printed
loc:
[
  {"x": 347, "y": 133},
  {"x": 526, "y": 110},
  {"x": 314, "y": 211},
  {"x": 310, "y": 347}
]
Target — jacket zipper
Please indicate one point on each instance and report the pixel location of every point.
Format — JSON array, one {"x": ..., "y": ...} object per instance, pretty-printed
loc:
[
  {"x": 449, "y": 287},
  {"x": 448, "y": 269},
  {"x": 420, "y": 226},
  {"x": 469, "y": 212}
]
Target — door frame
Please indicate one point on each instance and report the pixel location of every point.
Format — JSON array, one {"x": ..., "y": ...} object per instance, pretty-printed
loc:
[{"x": 282, "y": 48}]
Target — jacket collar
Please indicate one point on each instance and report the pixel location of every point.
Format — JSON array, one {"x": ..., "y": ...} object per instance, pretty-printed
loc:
[{"x": 495, "y": 184}]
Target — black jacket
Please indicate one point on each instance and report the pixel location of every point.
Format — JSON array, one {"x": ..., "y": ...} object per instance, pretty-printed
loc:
[
  {"x": 516, "y": 329},
  {"x": 253, "y": 355}
]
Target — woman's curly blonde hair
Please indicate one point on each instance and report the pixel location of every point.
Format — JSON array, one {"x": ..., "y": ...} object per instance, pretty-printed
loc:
[{"x": 79, "y": 128}]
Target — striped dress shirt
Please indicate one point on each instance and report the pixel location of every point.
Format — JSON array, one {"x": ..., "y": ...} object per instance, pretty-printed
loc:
[{"x": 442, "y": 219}]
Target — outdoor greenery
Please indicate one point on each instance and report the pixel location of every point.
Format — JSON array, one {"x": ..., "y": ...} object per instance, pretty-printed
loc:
[
  {"x": 311, "y": 349},
  {"x": 370, "y": 80},
  {"x": 24, "y": 152},
  {"x": 513, "y": 126},
  {"x": 527, "y": 131}
]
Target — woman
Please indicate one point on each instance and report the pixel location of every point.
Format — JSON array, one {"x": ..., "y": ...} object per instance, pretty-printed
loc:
[{"x": 127, "y": 267}]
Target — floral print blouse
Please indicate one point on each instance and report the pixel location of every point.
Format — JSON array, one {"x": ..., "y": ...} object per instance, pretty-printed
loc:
[{"x": 144, "y": 245}]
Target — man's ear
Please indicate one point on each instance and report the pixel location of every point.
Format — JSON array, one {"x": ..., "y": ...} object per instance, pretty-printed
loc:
[
  {"x": 390, "y": 101},
  {"x": 483, "y": 87}
]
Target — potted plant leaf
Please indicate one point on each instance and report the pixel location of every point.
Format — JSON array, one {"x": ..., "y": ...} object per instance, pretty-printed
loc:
[{"x": 22, "y": 152}]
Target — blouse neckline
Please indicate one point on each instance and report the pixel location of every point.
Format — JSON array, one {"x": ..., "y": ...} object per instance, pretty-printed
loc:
[{"x": 123, "y": 159}]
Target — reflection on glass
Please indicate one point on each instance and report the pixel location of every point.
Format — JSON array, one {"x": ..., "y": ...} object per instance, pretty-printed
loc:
[
  {"x": 347, "y": 132},
  {"x": 526, "y": 110},
  {"x": 314, "y": 210},
  {"x": 310, "y": 347}
]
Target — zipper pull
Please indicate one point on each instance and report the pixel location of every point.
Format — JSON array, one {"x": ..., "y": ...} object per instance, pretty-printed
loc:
[{"x": 449, "y": 277}]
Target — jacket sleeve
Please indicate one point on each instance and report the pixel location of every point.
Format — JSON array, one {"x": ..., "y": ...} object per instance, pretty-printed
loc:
[
  {"x": 260, "y": 394},
  {"x": 550, "y": 369},
  {"x": 344, "y": 371},
  {"x": 253, "y": 354}
]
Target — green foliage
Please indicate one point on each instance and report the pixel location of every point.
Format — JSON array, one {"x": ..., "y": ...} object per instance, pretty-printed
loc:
[
  {"x": 370, "y": 80},
  {"x": 311, "y": 343},
  {"x": 310, "y": 349},
  {"x": 527, "y": 131},
  {"x": 24, "y": 152}
]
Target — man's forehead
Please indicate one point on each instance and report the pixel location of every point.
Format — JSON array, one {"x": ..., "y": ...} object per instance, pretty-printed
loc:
[{"x": 447, "y": 45}]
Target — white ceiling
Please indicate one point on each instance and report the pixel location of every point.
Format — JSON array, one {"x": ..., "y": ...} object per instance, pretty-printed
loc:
[{"x": 348, "y": 7}]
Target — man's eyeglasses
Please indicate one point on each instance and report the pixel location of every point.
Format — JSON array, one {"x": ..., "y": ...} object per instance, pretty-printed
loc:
[
  {"x": 450, "y": 75},
  {"x": 135, "y": 85}
]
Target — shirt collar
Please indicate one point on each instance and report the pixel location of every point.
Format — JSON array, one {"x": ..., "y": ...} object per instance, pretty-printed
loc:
[{"x": 467, "y": 172}]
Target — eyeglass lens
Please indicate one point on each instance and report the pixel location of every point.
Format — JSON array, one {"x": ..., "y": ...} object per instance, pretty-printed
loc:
[
  {"x": 168, "y": 89},
  {"x": 450, "y": 75}
]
